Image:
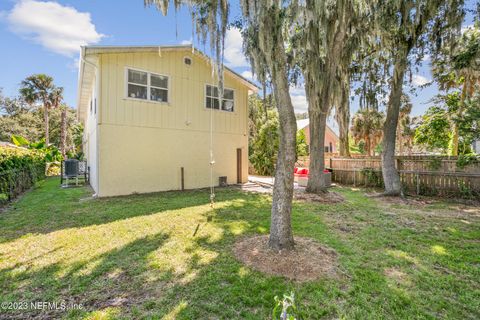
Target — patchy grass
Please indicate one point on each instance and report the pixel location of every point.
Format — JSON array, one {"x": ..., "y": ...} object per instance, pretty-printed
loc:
[{"x": 136, "y": 256}]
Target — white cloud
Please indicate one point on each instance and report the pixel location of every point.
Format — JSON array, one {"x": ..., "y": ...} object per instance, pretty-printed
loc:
[
  {"x": 419, "y": 80},
  {"x": 299, "y": 99},
  {"x": 234, "y": 56},
  {"x": 186, "y": 42},
  {"x": 60, "y": 29},
  {"x": 73, "y": 65},
  {"x": 248, "y": 75}
]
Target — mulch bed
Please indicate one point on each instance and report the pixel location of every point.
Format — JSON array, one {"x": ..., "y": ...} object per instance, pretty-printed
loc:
[{"x": 308, "y": 261}]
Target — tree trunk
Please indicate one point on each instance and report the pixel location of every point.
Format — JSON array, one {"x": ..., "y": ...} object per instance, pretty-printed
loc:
[
  {"x": 63, "y": 132},
  {"x": 390, "y": 174},
  {"x": 272, "y": 45},
  {"x": 368, "y": 146},
  {"x": 342, "y": 116},
  {"x": 317, "y": 125},
  {"x": 455, "y": 133},
  {"x": 45, "y": 119},
  {"x": 281, "y": 236},
  {"x": 323, "y": 90}
]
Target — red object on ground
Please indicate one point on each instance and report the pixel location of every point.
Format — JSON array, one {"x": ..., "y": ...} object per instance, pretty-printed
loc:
[
  {"x": 295, "y": 170},
  {"x": 301, "y": 173}
]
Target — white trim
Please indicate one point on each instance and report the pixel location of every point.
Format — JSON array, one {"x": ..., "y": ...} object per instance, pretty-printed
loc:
[
  {"x": 234, "y": 111},
  {"x": 148, "y": 86}
]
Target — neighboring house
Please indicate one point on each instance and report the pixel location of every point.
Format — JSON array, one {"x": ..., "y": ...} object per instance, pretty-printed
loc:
[
  {"x": 148, "y": 113},
  {"x": 331, "y": 138}
]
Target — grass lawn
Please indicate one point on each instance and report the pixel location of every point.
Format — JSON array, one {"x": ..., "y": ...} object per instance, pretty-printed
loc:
[{"x": 136, "y": 256}]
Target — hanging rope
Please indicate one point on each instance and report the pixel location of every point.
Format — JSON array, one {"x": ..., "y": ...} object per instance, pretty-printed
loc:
[
  {"x": 212, "y": 163},
  {"x": 212, "y": 160}
]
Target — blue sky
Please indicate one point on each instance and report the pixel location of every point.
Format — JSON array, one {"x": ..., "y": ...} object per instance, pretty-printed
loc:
[{"x": 43, "y": 37}]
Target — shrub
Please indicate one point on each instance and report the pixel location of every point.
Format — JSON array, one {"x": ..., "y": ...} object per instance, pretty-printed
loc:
[
  {"x": 467, "y": 159},
  {"x": 19, "y": 170},
  {"x": 265, "y": 148},
  {"x": 373, "y": 178}
]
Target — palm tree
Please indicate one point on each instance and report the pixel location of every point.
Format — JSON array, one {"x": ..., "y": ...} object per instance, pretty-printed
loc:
[
  {"x": 367, "y": 126},
  {"x": 39, "y": 88},
  {"x": 55, "y": 99}
]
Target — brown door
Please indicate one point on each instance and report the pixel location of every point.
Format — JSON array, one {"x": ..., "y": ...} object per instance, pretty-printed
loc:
[{"x": 239, "y": 165}]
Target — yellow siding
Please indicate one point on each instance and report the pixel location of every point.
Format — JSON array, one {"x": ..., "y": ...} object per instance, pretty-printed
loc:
[
  {"x": 90, "y": 135},
  {"x": 142, "y": 145}
]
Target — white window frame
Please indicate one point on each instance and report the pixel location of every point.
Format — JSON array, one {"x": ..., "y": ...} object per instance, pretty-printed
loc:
[
  {"x": 219, "y": 100},
  {"x": 148, "y": 85}
]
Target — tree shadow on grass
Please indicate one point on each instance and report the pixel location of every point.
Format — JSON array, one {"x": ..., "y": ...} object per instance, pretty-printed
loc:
[
  {"x": 174, "y": 274},
  {"x": 49, "y": 208},
  {"x": 132, "y": 280},
  {"x": 116, "y": 278}
]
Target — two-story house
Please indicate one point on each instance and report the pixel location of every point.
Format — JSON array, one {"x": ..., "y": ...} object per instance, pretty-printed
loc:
[{"x": 152, "y": 116}]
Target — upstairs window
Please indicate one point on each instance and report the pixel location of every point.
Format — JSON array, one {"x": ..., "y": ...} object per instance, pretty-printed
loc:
[
  {"x": 147, "y": 86},
  {"x": 212, "y": 100}
]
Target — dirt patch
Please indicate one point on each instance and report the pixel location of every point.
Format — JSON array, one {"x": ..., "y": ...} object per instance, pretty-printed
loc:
[
  {"x": 308, "y": 261},
  {"x": 423, "y": 200},
  {"x": 397, "y": 277},
  {"x": 431, "y": 207},
  {"x": 327, "y": 197},
  {"x": 401, "y": 200}
]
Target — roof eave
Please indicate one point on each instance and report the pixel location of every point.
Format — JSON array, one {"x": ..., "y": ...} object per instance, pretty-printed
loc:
[{"x": 124, "y": 49}]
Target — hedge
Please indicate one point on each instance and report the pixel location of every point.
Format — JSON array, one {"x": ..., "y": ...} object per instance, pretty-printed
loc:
[{"x": 20, "y": 169}]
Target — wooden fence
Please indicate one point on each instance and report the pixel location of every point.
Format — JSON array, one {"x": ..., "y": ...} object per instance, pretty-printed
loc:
[{"x": 426, "y": 175}]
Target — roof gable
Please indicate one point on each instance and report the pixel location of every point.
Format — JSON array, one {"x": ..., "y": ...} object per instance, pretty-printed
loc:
[
  {"x": 89, "y": 63},
  {"x": 304, "y": 123}
]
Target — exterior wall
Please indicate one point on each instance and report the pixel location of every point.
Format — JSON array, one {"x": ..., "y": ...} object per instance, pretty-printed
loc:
[
  {"x": 330, "y": 138},
  {"x": 143, "y": 145},
  {"x": 90, "y": 135}
]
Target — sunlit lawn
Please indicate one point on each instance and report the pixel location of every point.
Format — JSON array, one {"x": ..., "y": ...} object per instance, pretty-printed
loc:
[{"x": 137, "y": 257}]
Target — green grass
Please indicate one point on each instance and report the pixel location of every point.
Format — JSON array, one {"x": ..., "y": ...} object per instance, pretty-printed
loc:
[{"x": 136, "y": 257}]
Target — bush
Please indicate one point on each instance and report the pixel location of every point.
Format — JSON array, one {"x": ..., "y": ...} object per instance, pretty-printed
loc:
[
  {"x": 20, "y": 169},
  {"x": 265, "y": 148}
]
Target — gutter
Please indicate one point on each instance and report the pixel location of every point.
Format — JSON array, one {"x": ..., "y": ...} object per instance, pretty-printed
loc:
[
  {"x": 82, "y": 62},
  {"x": 81, "y": 69}
]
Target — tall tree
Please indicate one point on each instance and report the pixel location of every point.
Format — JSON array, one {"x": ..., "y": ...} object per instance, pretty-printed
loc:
[
  {"x": 38, "y": 88},
  {"x": 435, "y": 129},
  {"x": 264, "y": 42},
  {"x": 327, "y": 34},
  {"x": 367, "y": 126},
  {"x": 406, "y": 28},
  {"x": 263, "y": 35},
  {"x": 458, "y": 67},
  {"x": 55, "y": 100},
  {"x": 19, "y": 118}
]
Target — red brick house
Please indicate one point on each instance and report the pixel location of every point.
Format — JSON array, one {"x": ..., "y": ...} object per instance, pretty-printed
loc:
[{"x": 331, "y": 138}]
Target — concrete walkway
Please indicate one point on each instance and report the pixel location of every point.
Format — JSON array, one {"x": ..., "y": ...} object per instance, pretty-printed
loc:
[
  {"x": 269, "y": 181},
  {"x": 262, "y": 180}
]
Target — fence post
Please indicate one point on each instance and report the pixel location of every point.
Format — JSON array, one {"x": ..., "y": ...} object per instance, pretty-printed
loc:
[{"x": 418, "y": 184}]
